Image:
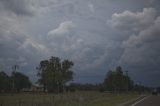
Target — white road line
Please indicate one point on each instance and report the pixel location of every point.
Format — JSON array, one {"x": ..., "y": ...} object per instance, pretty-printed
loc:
[{"x": 140, "y": 101}]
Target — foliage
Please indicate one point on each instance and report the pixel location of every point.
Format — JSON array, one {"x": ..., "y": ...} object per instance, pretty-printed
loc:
[
  {"x": 141, "y": 88},
  {"x": 54, "y": 74},
  {"x": 118, "y": 81},
  {"x": 20, "y": 81},
  {"x": 5, "y": 84},
  {"x": 15, "y": 82}
]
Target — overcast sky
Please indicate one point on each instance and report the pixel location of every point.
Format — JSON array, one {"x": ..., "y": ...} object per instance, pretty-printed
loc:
[{"x": 97, "y": 35}]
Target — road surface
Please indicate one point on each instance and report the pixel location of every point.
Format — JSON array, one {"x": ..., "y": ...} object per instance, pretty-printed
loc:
[{"x": 148, "y": 101}]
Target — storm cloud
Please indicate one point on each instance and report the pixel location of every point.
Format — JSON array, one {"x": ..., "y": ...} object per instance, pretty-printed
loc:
[
  {"x": 133, "y": 21},
  {"x": 141, "y": 49},
  {"x": 95, "y": 35},
  {"x": 18, "y": 7}
]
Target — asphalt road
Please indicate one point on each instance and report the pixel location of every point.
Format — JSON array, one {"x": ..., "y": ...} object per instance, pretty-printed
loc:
[{"x": 148, "y": 101}]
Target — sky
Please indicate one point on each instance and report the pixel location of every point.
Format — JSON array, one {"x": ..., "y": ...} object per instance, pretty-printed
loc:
[{"x": 97, "y": 35}]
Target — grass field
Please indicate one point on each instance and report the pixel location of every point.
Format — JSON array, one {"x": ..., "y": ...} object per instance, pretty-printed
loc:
[{"x": 66, "y": 99}]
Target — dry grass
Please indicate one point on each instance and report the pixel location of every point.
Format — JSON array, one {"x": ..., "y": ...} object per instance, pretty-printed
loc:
[{"x": 66, "y": 99}]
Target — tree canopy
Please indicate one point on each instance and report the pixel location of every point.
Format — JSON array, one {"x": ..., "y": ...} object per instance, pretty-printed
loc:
[
  {"x": 16, "y": 82},
  {"x": 5, "y": 84},
  {"x": 118, "y": 81},
  {"x": 54, "y": 73},
  {"x": 20, "y": 81}
]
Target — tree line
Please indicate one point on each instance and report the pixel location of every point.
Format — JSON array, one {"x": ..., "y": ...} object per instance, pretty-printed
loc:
[
  {"x": 54, "y": 74},
  {"x": 13, "y": 83}
]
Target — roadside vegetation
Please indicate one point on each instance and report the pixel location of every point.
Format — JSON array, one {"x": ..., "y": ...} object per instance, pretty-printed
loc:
[{"x": 78, "y": 98}]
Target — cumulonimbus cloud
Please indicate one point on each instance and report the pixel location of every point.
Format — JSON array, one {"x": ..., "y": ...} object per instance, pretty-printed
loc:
[
  {"x": 64, "y": 28},
  {"x": 133, "y": 21},
  {"x": 141, "y": 50},
  {"x": 18, "y": 7}
]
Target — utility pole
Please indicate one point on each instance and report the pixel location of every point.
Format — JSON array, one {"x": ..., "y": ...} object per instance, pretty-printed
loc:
[{"x": 14, "y": 68}]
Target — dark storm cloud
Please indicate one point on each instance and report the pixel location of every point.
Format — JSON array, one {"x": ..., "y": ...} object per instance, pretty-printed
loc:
[
  {"x": 144, "y": 45},
  {"x": 141, "y": 49},
  {"x": 130, "y": 21},
  {"x": 96, "y": 35},
  {"x": 16, "y": 45},
  {"x": 19, "y": 7}
]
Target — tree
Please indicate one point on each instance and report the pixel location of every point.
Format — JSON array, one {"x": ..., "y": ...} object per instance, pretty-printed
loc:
[
  {"x": 5, "y": 84},
  {"x": 43, "y": 73},
  {"x": 66, "y": 74},
  {"x": 54, "y": 74},
  {"x": 20, "y": 81},
  {"x": 118, "y": 81},
  {"x": 108, "y": 82}
]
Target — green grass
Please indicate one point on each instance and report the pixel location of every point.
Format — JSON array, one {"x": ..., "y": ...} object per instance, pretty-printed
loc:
[{"x": 66, "y": 99}]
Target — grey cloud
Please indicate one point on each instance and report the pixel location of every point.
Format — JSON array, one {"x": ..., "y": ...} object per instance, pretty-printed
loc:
[
  {"x": 91, "y": 7},
  {"x": 141, "y": 46},
  {"x": 64, "y": 28},
  {"x": 63, "y": 38},
  {"x": 14, "y": 38},
  {"x": 19, "y": 7},
  {"x": 84, "y": 52},
  {"x": 142, "y": 50},
  {"x": 149, "y": 35},
  {"x": 134, "y": 21}
]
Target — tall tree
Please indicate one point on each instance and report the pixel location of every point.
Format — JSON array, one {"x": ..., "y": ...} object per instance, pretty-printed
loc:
[
  {"x": 5, "y": 84},
  {"x": 54, "y": 74},
  {"x": 43, "y": 73},
  {"x": 109, "y": 80},
  {"x": 20, "y": 81},
  {"x": 118, "y": 81}
]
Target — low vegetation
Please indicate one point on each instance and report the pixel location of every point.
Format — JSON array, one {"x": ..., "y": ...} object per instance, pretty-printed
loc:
[{"x": 81, "y": 98}]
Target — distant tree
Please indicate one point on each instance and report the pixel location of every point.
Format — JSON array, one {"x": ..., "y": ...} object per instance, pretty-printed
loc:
[
  {"x": 66, "y": 72},
  {"x": 20, "y": 81},
  {"x": 118, "y": 81},
  {"x": 53, "y": 74},
  {"x": 142, "y": 88},
  {"x": 158, "y": 89},
  {"x": 5, "y": 85},
  {"x": 86, "y": 87},
  {"x": 43, "y": 73},
  {"x": 109, "y": 80}
]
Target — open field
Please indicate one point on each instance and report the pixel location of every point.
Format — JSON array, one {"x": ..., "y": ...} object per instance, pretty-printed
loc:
[{"x": 66, "y": 99}]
